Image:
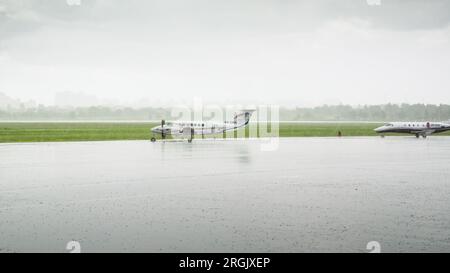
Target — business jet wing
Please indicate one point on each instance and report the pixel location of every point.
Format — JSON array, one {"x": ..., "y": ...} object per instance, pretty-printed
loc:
[{"x": 424, "y": 132}]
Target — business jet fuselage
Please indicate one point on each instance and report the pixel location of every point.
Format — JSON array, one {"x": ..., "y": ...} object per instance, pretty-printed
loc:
[
  {"x": 418, "y": 129},
  {"x": 187, "y": 129}
]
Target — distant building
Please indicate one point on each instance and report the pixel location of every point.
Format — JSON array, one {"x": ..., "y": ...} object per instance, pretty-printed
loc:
[
  {"x": 5, "y": 102},
  {"x": 8, "y": 104}
]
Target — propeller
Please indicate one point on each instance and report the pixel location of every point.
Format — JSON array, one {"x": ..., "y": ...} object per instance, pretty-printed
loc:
[{"x": 163, "y": 134}]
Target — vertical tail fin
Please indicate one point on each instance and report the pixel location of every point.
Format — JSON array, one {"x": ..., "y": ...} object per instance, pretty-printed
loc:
[{"x": 243, "y": 117}]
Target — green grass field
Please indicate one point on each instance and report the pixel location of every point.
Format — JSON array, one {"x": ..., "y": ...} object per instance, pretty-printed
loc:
[
  {"x": 79, "y": 131},
  {"x": 48, "y": 131}
]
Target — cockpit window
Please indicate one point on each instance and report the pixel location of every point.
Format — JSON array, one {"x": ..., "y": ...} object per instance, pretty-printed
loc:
[{"x": 389, "y": 125}]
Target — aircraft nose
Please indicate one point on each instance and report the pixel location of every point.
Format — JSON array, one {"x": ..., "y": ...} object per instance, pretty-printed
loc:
[{"x": 379, "y": 129}]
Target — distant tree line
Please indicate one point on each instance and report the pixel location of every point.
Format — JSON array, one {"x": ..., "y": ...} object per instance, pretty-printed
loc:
[
  {"x": 85, "y": 113},
  {"x": 388, "y": 112}
]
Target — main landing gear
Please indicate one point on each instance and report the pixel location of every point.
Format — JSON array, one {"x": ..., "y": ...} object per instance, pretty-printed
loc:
[{"x": 191, "y": 137}]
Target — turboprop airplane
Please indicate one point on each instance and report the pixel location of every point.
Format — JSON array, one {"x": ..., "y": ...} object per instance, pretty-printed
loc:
[
  {"x": 423, "y": 129},
  {"x": 187, "y": 129}
]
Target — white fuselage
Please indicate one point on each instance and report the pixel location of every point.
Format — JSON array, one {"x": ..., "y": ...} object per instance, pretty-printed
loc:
[
  {"x": 416, "y": 128},
  {"x": 198, "y": 127},
  {"x": 177, "y": 128}
]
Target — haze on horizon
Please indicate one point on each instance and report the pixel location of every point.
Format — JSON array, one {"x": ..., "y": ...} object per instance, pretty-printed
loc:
[{"x": 289, "y": 52}]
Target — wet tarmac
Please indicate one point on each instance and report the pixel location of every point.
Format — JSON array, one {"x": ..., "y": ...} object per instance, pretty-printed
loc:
[{"x": 309, "y": 195}]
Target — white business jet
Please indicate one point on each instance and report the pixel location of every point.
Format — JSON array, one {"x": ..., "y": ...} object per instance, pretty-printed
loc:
[
  {"x": 423, "y": 129},
  {"x": 188, "y": 129}
]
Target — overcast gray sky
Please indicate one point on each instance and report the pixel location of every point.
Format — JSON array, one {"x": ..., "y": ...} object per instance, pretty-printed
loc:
[{"x": 284, "y": 52}]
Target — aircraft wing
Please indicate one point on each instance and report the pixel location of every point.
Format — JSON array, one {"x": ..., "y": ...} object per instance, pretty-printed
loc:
[{"x": 424, "y": 132}]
